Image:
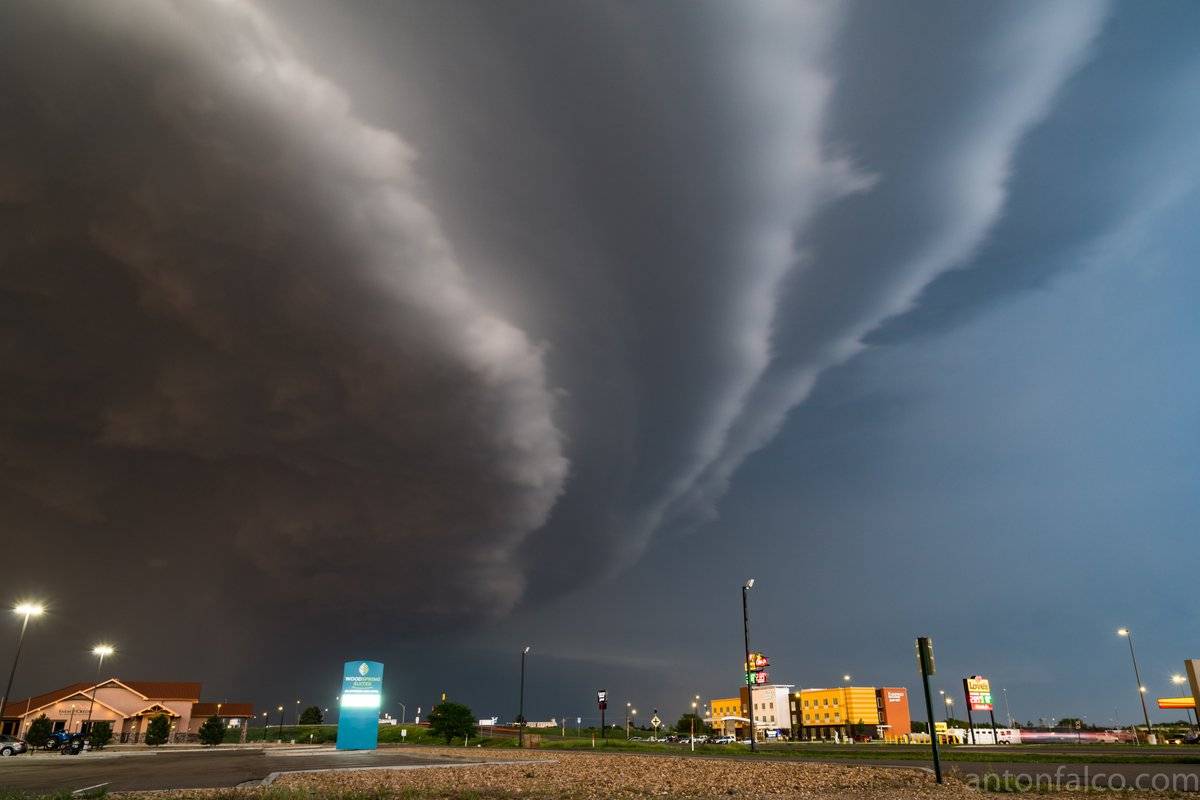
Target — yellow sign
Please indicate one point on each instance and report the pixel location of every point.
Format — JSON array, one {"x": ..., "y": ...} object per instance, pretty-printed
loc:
[{"x": 939, "y": 727}]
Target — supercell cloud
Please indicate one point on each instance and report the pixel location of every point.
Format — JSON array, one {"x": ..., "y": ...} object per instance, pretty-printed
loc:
[
  {"x": 224, "y": 300},
  {"x": 464, "y": 305}
]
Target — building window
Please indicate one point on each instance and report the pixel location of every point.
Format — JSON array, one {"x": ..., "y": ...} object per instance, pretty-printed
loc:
[{"x": 835, "y": 701}]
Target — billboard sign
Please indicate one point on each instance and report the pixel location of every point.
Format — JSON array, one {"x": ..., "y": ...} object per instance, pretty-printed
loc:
[
  {"x": 979, "y": 693},
  {"x": 602, "y": 699},
  {"x": 756, "y": 669},
  {"x": 362, "y": 695}
]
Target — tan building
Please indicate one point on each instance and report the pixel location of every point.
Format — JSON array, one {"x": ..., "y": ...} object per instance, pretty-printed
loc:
[
  {"x": 128, "y": 705},
  {"x": 730, "y": 716}
]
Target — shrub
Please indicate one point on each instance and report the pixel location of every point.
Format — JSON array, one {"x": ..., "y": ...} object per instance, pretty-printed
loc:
[
  {"x": 451, "y": 720},
  {"x": 311, "y": 716},
  {"x": 39, "y": 732},
  {"x": 100, "y": 734},
  {"x": 212, "y": 732},
  {"x": 158, "y": 730}
]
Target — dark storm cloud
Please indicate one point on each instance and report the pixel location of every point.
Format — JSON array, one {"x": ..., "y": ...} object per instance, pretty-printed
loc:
[{"x": 234, "y": 334}]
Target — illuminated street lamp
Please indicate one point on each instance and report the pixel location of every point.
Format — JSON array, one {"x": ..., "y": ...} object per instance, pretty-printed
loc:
[
  {"x": 846, "y": 678},
  {"x": 521, "y": 701},
  {"x": 102, "y": 651},
  {"x": 695, "y": 707},
  {"x": 1141, "y": 689},
  {"x": 949, "y": 709},
  {"x": 280, "y": 710},
  {"x": 1179, "y": 680},
  {"x": 25, "y": 611},
  {"x": 746, "y": 587}
]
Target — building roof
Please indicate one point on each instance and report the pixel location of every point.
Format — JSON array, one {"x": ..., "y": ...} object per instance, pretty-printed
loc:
[
  {"x": 227, "y": 709},
  {"x": 160, "y": 690},
  {"x": 151, "y": 690},
  {"x": 15, "y": 708}
]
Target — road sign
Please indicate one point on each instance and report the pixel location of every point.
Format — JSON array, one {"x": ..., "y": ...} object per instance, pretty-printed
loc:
[
  {"x": 655, "y": 721},
  {"x": 925, "y": 656},
  {"x": 602, "y": 699}
]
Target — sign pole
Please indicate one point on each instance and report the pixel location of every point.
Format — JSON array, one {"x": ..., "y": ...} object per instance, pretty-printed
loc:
[
  {"x": 995, "y": 738},
  {"x": 970, "y": 721},
  {"x": 925, "y": 659}
]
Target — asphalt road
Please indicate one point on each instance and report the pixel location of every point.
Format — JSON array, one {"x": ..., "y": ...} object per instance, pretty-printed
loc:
[{"x": 189, "y": 770}]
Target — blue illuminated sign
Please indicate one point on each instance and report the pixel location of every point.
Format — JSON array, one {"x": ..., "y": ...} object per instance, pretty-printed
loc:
[{"x": 362, "y": 694}]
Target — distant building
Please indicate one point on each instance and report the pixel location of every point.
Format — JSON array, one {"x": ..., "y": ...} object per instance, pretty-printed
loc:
[
  {"x": 844, "y": 711},
  {"x": 730, "y": 716},
  {"x": 128, "y": 705}
]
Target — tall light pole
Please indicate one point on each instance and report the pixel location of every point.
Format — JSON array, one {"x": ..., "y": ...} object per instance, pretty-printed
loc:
[
  {"x": 1007, "y": 710},
  {"x": 949, "y": 709},
  {"x": 1137, "y": 676},
  {"x": 280, "y": 709},
  {"x": 1179, "y": 680},
  {"x": 521, "y": 701},
  {"x": 695, "y": 708},
  {"x": 746, "y": 587},
  {"x": 100, "y": 650},
  {"x": 628, "y": 706},
  {"x": 25, "y": 611},
  {"x": 403, "y": 711}
]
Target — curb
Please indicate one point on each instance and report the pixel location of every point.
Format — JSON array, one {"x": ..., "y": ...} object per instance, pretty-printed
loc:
[{"x": 270, "y": 779}]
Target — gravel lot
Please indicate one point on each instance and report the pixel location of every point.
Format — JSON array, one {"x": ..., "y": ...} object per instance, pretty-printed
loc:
[{"x": 582, "y": 776}]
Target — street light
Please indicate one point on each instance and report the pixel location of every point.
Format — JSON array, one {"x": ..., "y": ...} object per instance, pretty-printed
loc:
[
  {"x": 695, "y": 706},
  {"x": 627, "y": 707},
  {"x": 24, "y": 610},
  {"x": 280, "y": 709},
  {"x": 746, "y": 587},
  {"x": 101, "y": 650},
  {"x": 521, "y": 701},
  {"x": 1179, "y": 680},
  {"x": 1141, "y": 689},
  {"x": 846, "y": 678},
  {"x": 949, "y": 709}
]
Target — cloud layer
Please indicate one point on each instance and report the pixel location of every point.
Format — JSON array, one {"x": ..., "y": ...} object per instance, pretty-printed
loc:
[{"x": 213, "y": 270}]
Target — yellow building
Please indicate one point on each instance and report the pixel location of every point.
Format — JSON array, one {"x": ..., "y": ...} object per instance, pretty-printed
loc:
[
  {"x": 820, "y": 713},
  {"x": 727, "y": 715}
]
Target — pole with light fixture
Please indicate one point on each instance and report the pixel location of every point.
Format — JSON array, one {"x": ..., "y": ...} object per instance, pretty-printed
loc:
[
  {"x": 24, "y": 610},
  {"x": 521, "y": 701},
  {"x": 746, "y": 587},
  {"x": 101, "y": 650},
  {"x": 1141, "y": 689}
]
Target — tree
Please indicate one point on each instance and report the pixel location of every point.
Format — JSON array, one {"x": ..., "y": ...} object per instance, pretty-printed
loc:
[
  {"x": 158, "y": 730},
  {"x": 919, "y": 727},
  {"x": 100, "y": 734},
  {"x": 311, "y": 716},
  {"x": 684, "y": 726},
  {"x": 860, "y": 730},
  {"x": 450, "y": 720},
  {"x": 39, "y": 732},
  {"x": 212, "y": 732}
]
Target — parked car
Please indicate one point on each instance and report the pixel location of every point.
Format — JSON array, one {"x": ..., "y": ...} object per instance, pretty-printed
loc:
[
  {"x": 723, "y": 740},
  {"x": 11, "y": 745}
]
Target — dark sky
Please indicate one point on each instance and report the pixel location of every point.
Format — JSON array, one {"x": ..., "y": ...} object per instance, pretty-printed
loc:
[{"x": 423, "y": 331}]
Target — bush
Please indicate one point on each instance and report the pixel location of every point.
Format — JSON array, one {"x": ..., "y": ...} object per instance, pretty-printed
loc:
[
  {"x": 100, "y": 734},
  {"x": 311, "y": 716},
  {"x": 39, "y": 732},
  {"x": 212, "y": 732},
  {"x": 158, "y": 730},
  {"x": 451, "y": 720}
]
